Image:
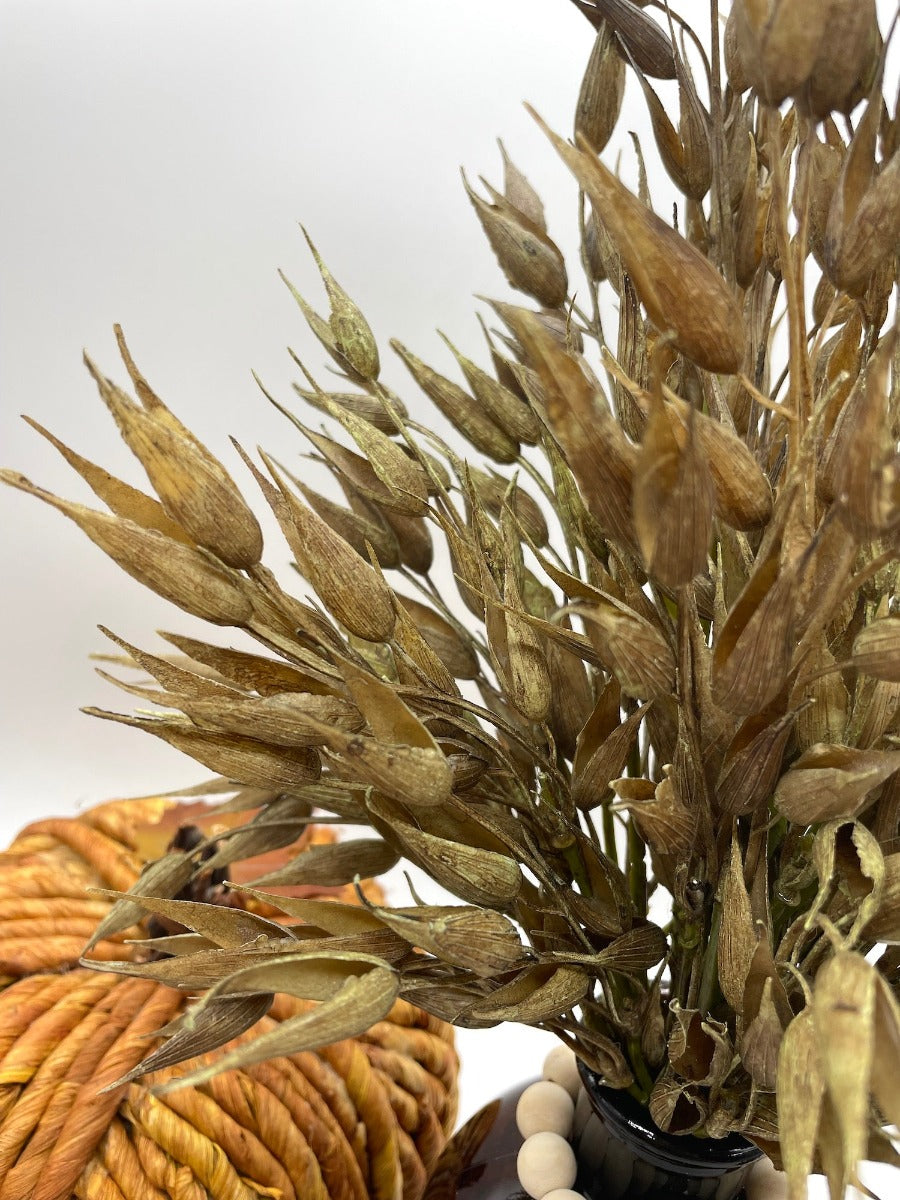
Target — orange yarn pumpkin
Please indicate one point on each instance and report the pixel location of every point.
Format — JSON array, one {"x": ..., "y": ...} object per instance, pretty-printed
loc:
[{"x": 363, "y": 1118}]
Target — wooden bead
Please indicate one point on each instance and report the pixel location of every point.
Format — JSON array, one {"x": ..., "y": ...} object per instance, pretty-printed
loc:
[
  {"x": 561, "y": 1066},
  {"x": 545, "y": 1106},
  {"x": 546, "y": 1163}
]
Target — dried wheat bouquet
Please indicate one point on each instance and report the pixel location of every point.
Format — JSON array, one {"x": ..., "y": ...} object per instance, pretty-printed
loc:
[{"x": 648, "y": 735}]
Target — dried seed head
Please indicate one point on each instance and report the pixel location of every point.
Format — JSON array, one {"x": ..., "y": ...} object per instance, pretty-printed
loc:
[
  {"x": 673, "y": 502},
  {"x": 353, "y": 338},
  {"x": 776, "y": 44},
  {"x": 351, "y": 590},
  {"x": 678, "y": 285},
  {"x": 119, "y": 497},
  {"x": 519, "y": 193},
  {"x": 505, "y": 408},
  {"x": 360, "y": 404},
  {"x": 529, "y": 680},
  {"x": 528, "y": 258},
  {"x": 464, "y": 413},
  {"x": 647, "y": 44},
  {"x": 405, "y": 480},
  {"x": 194, "y": 488},
  {"x": 447, "y": 641},
  {"x": 356, "y": 530},
  {"x": 876, "y": 649},
  {"x": 173, "y": 570},
  {"x": 847, "y": 60},
  {"x": 602, "y": 88}
]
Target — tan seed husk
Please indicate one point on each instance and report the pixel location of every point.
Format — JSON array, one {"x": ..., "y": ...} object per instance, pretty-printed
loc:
[
  {"x": 679, "y": 287},
  {"x": 353, "y": 592},
  {"x": 528, "y": 258},
  {"x": 171, "y": 569}
]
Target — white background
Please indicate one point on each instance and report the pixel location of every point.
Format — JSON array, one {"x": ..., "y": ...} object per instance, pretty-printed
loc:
[{"x": 156, "y": 157}]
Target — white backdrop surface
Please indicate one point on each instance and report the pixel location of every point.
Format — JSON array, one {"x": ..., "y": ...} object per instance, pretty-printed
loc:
[{"x": 156, "y": 158}]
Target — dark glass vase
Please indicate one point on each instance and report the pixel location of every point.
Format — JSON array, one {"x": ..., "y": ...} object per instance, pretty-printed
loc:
[{"x": 622, "y": 1155}]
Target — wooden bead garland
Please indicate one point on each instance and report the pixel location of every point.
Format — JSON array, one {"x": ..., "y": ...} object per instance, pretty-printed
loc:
[{"x": 555, "y": 1109}]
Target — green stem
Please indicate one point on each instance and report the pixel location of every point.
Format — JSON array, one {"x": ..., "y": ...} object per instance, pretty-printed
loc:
[
  {"x": 709, "y": 974},
  {"x": 637, "y": 870},
  {"x": 609, "y": 833},
  {"x": 643, "y": 1085}
]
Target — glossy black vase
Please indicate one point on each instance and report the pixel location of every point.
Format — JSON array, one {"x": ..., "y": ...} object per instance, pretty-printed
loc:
[{"x": 622, "y": 1155}]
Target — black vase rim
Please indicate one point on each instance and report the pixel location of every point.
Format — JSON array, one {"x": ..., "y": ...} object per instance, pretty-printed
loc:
[{"x": 632, "y": 1123}]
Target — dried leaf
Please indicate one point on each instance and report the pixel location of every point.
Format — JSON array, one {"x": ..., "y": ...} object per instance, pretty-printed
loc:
[
  {"x": 348, "y": 1010},
  {"x": 829, "y": 781},
  {"x": 535, "y": 995},
  {"x": 335, "y": 864},
  {"x": 801, "y": 1089},
  {"x": 844, "y": 1016},
  {"x": 478, "y": 876}
]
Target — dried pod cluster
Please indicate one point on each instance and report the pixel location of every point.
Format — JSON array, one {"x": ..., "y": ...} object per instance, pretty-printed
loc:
[
  {"x": 669, "y": 664},
  {"x": 79, "y": 1116}
]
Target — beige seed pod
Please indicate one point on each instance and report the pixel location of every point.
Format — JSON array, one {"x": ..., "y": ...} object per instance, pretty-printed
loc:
[
  {"x": 351, "y": 590},
  {"x": 323, "y": 331},
  {"x": 119, "y": 497},
  {"x": 528, "y": 258},
  {"x": 647, "y": 43},
  {"x": 519, "y": 193},
  {"x": 776, "y": 43},
  {"x": 290, "y": 719},
  {"x": 635, "y": 651},
  {"x": 460, "y": 409},
  {"x": 737, "y": 936},
  {"x": 504, "y": 407},
  {"x": 353, "y": 338},
  {"x": 357, "y": 531},
  {"x": 413, "y": 539},
  {"x": 672, "y": 501},
  {"x": 602, "y": 88},
  {"x": 847, "y": 59},
  {"x": 876, "y": 649},
  {"x": 455, "y": 652},
  {"x": 752, "y": 652},
  {"x": 417, "y": 661},
  {"x": 529, "y": 680},
  {"x": 241, "y": 759},
  {"x": 174, "y": 571},
  {"x": 818, "y": 169},
  {"x": 864, "y": 216},
  {"x": 194, "y": 488},
  {"x": 681, "y": 290},
  {"x": 359, "y": 404},
  {"x": 405, "y": 480},
  {"x": 494, "y": 491},
  {"x": 830, "y": 781}
]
